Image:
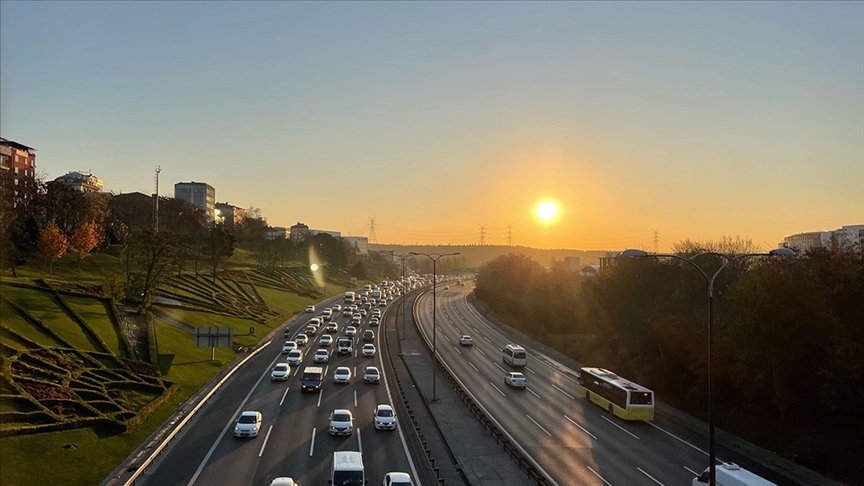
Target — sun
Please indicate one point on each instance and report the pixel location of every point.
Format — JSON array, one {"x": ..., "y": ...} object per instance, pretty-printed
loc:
[{"x": 547, "y": 210}]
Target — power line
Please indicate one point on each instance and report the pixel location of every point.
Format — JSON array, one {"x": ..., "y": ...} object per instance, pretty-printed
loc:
[
  {"x": 482, "y": 235},
  {"x": 509, "y": 235}
]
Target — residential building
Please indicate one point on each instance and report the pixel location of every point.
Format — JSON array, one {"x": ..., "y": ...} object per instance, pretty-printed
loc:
[
  {"x": 334, "y": 234},
  {"x": 609, "y": 258},
  {"x": 200, "y": 194},
  {"x": 20, "y": 160},
  {"x": 80, "y": 181},
  {"x": 298, "y": 232},
  {"x": 232, "y": 216},
  {"x": 851, "y": 236},
  {"x": 360, "y": 243},
  {"x": 276, "y": 232}
]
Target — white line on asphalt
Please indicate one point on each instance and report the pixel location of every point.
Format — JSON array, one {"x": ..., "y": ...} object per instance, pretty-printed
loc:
[
  {"x": 691, "y": 471},
  {"x": 487, "y": 339},
  {"x": 447, "y": 338},
  {"x": 320, "y": 393},
  {"x": 530, "y": 370},
  {"x": 499, "y": 391},
  {"x": 481, "y": 351},
  {"x": 599, "y": 476},
  {"x": 562, "y": 391},
  {"x": 283, "y": 395},
  {"x": 354, "y": 372},
  {"x": 583, "y": 428},
  {"x": 326, "y": 369},
  {"x": 538, "y": 425},
  {"x": 675, "y": 436},
  {"x": 312, "y": 446},
  {"x": 622, "y": 428},
  {"x": 475, "y": 329},
  {"x": 355, "y": 398},
  {"x": 500, "y": 368},
  {"x": 457, "y": 350},
  {"x": 650, "y": 476},
  {"x": 308, "y": 348},
  {"x": 261, "y": 452},
  {"x": 532, "y": 392},
  {"x": 472, "y": 365},
  {"x": 359, "y": 442},
  {"x": 297, "y": 370}
]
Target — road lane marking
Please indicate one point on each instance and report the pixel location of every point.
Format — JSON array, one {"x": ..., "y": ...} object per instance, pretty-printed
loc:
[
  {"x": 354, "y": 372},
  {"x": 564, "y": 392},
  {"x": 583, "y": 428},
  {"x": 622, "y": 428},
  {"x": 326, "y": 369},
  {"x": 355, "y": 398},
  {"x": 447, "y": 338},
  {"x": 607, "y": 483},
  {"x": 261, "y": 452},
  {"x": 500, "y": 368},
  {"x": 691, "y": 471},
  {"x": 312, "y": 446},
  {"x": 675, "y": 436},
  {"x": 481, "y": 351},
  {"x": 472, "y": 365},
  {"x": 297, "y": 370},
  {"x": 283, "y": 395},
  {"x": 320, "y": 393},
  {"x": 359, "y": 442},
  {"x": 496, "y": 388},
  {"x": 530, "y": 370},
  {"x": 538, "y": 425},
  {"x": 487, "y": 339},
  {"x": 532, "y": 392},
  {"x": 457, "y": 350},
  {"x": 650, "y": 476}
]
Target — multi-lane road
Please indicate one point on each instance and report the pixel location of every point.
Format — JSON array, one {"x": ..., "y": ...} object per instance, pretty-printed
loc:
[
  {"x": 572, "y": 440},
  {"x": 294, "y": 439}
]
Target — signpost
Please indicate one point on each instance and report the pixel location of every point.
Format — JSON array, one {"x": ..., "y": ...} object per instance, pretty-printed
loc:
[{"x": 213, "y": 337}]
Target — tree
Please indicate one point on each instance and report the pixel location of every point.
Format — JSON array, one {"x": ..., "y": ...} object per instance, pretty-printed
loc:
[
  {"x": 220, "y": 246},
  {"x": 85, "y": 238},
  {"x": 52, "y": 245},
  {"x": 152, "y": 253},
  {"x": 358, "y": 271},
  {"x": 66, "y": 207}
]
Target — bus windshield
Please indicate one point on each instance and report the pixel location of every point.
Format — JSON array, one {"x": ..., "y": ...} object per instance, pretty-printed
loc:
[{"x": 641, "y": 398}]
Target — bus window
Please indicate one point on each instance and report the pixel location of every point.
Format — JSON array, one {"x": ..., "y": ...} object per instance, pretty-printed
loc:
[{"x": 641, "y": 398}]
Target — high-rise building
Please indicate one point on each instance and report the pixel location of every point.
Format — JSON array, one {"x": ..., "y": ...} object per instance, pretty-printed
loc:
[
  {"x": 20, "y": 160},
  {"x": 80, "y": 181},
  {"x": 200, "y": 194}
]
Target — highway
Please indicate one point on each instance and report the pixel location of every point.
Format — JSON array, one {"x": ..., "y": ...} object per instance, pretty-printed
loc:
[
  {"x": 573, "y": 440},
  {"x": 294, "y": 439}
]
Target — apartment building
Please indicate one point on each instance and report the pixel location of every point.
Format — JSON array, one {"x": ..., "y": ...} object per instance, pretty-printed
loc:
[
  {"x": 20, "y": 160},
  {"x": 200, "y": 194}
]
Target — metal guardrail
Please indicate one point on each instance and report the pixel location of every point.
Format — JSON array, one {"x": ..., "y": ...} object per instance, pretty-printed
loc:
[{"x": 516, "y": 452}]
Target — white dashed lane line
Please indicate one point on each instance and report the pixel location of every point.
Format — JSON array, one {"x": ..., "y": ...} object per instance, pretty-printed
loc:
[
  {"x": 500, "y": 368},
  {"x": 481, "y": 351},
  {"x": 261, "y": 452},
  {"x": 581, "y": 428},
  {"x": 472, "y": 365},
  {"x": 538, "y": 425},
  {"x": 564, "y": 392},
  {"x": 284, "y": 395},
  {"x": 532, "y": 392},
  {"x": 622, "y": 428},
  {"x": 531, "y": 371},
  {"x": 496, "y": 389},
  {"x": 650, "y": 476},
  {"x": 312, "y": 446},
  {"x": 607, "y": 483},
  {"x": 675, "y": 436}
]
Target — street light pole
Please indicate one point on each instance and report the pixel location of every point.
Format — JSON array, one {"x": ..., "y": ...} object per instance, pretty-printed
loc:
[
  {"x": 402, "y": 288},
  {"x": 434, "y": 257},
  {"x": 710, "y": 280}
]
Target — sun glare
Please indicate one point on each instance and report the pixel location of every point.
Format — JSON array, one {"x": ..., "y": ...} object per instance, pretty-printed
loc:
[{"x": 547, "y": 210}]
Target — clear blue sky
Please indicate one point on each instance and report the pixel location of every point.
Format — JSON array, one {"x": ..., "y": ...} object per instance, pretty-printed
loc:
[{"x": 696, "y": 119}]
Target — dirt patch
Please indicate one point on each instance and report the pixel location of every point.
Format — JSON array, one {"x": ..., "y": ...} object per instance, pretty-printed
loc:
[{"x": 135, "y": 327}]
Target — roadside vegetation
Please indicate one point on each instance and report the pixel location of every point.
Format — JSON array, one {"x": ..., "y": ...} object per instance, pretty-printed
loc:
[
  {"x": 788, "y": 339},
  {"x": 99, "y": 308}
]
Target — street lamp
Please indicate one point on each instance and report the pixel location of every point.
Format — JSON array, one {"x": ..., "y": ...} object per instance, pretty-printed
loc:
[
  {"x": 434, "y": 257},
  {"x": 710, "y": 281},
  {"x": 402, "y": 288}
]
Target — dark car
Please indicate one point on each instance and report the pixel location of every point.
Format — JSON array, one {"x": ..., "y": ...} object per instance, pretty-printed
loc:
[{"x": 369, "y": 335}]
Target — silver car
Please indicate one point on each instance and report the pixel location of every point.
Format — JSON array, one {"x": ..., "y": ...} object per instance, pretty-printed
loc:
[{"x": 342, "y": 374}]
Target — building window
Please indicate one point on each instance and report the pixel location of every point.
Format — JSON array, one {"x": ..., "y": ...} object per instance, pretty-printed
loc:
[{"x": 16, "y": 169}]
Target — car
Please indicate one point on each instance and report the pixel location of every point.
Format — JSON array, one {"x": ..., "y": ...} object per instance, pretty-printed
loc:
[
  {"x": 295, "y": 357},
  {"x": 280, "y": 372},
  {"x": 368, "y": 335},
  {"x": 466, "y": 340},
  {"x": 283, "y": 482},
  {"x": 515, "y": 380},
  {"x": 350, "y": 331},
  {"x": 322, "y": 356},
  {"x": 368, "y": 350},
  {"x": 301, "y": 340},
  {"x": 342, "y": 374},
  {"x": 310, "y": 308},
  {"x": 288, "y": 346},
  {"x": 397, "y": 479},
  {"x": 364, "y": 312},
  {"x": 337, "y": 307},
  {"x": 316, "y": 321},
  {"x": 346, "y": 312},
  {"x": 326, "y": 340},
  {"x": 373, "y": 321},
  {"x": 310, "y": 330},
  {"x": 332, "y": 327},
  {"x": 371, "y": 375},
  {"x": 357, "y": 317},
  {"x": 376, "y": 313},
  {"x": 341, "y": 422},
  {"x": 383, "y": 303},
  {"x": 248, "y": 424},
  {"x": 384, "y": 418},
  {"x": 446, "y": 287}
]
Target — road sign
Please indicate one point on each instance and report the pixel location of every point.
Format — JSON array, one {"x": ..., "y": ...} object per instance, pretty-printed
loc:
[{"x": 214, "y": 337}]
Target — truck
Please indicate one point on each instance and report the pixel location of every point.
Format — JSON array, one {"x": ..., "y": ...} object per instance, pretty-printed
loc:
[
  {"x": 349, "y": 297},
  {"x": 345, "y": 345},
  {"x": 312, "y": 378},
  {"x": 731, "y": 474}
]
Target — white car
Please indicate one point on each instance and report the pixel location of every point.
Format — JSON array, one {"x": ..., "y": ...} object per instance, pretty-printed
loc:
[
  {"x": 368, "y": 350},
  {"x": 515, "y": 379},
  {"x": 373, "y": 321},
  {"x": 371, "y": 375},
  {"x": 301, "y": 340},
  {"x": 295, "y": 357},
  {"x": 341, "y": 422},
  {"x": 342, "y": 374},
  {"x": 283, "y": 482},
  {"x": 322, "y": 356},
  {"x": 332, "y": 327},
  {"x": 466, "y": 340},
  {"x": 288, "y": 347},
  {"x": 310, "y": 330},
  {"x": 337, "y": 308},
  {"x": 248, "y": 424},
  {"x": 397, "y": 479},
  {"x": 357, "y": 317},
  {"x": 350, "y": 331},
  {"x": 310, "y": 308},
  {"x": 280, "y": 372},
  {"x": 384, "y": 417},
  {"x": 326, "y": 340},
  {"x": 346, "y": 312}
]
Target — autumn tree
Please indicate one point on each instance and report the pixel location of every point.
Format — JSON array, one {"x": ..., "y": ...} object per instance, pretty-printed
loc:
[
  {"x": 152, "y": 253},
  {"x": 220, "y": 245},
  {"x": 85, "y": 238},
  {"x": 52, "y": 245}
]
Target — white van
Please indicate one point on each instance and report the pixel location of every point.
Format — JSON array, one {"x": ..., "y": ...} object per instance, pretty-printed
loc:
[
  {"x": 515, "y": 355},
  {"x": 731, "y": 474},
  {"x": 347, "y": 469}
]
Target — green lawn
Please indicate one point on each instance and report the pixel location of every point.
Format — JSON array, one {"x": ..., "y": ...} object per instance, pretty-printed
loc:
[
  {"x": 93, "y": 311},
  {"x": 14, "y": 321},
  {"x": 42, "y": 306}
]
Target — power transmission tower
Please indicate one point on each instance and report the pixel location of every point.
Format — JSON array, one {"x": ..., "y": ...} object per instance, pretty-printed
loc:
[
  {"x": 373, "y": 238},
  {"x": 656, "y": 241},
  {"x": 156, "y": 198},
  {"x": 482, "y": 235},
  {"x": 509, "y": 235}
]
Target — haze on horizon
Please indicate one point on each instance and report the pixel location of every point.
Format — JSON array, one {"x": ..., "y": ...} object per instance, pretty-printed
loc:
[{"x": 695, "y": 119}]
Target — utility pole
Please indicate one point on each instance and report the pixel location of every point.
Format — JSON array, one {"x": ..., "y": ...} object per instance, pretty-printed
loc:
[
  {"x": 509, "y": 235},
  {"x": 656, "y": 241},
  {"x": 156, "y": 199},
  {"x": 482, "y": 235},
  {"x": 373, "y": 238}
]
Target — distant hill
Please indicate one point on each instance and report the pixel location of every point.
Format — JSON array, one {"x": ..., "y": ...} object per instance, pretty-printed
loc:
[{"x": 476, "y": 255}]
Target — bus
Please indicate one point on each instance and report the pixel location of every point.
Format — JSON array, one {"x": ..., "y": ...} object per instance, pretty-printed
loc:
[{"x": 618, "y": 395}]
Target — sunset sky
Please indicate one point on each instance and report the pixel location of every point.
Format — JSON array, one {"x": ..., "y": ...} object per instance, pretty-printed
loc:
[{"x": 694, "y": 119}]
